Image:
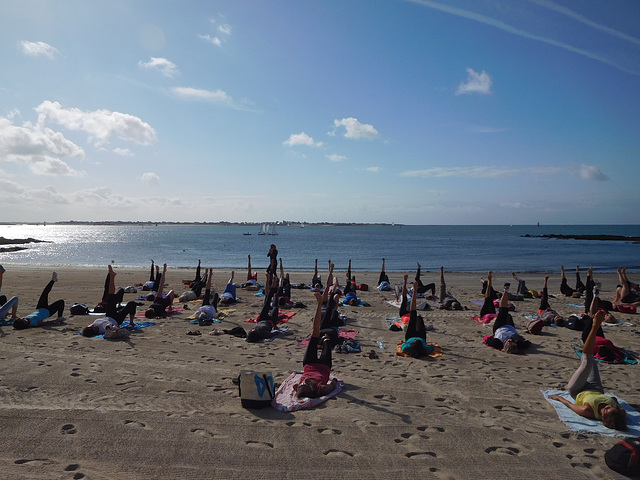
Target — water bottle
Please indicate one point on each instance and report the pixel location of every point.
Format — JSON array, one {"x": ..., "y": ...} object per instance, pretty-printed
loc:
[{"x": 381, "y": 345}]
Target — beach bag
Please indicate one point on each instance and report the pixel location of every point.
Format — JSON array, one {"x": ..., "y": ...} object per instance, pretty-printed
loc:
[
  {"x": 626, "y": 308},
  {"x": 624, "y": 456},
  {"x": 363, "y": 287},
  {"x": 256, "y": 389},
  {"x": 79, "y": 309},
  {"x": 534, "y": 327}
]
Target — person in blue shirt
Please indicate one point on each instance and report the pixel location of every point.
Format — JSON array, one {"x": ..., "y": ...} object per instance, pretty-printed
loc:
[{"x": 43, "y": 311}]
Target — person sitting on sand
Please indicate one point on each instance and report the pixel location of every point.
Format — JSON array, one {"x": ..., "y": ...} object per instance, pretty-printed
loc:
[
  {"x": 447, "y": 301},
  {"x": 228, "y": 297},
  {"x": 505, "y": 337},
  {"x": 422, "y": 288},
  {"x": 7, "y": 306},
  {"x": 383, "y": 280},
  {"x": 315, "y": 381},
  {"x": 586, "y": 387},
  {"x": 269, "y": 315},
  {"x": 114, "y": 316},
  {"x": 43, "y": 310},
  {"x": 624, "y": 294},
  {"x": 209, "y": 308},
  {"x": 161, "y": 302},
  {"x": 547, "y": 314},
  {"x": 415, "y": 336}
]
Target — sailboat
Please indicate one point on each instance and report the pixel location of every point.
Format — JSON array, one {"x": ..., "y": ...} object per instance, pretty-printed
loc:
[{"x": 267, "y": 229}]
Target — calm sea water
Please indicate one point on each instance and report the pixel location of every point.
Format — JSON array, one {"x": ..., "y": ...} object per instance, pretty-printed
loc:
[{"x": 458, "y": 248}]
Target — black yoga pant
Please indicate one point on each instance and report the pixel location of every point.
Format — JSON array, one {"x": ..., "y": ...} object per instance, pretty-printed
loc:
[{"x": 311, "y": 355}]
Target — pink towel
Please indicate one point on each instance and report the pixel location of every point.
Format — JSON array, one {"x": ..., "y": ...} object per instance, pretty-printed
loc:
[
  {"x": 282, "y": 317},
  {"x": 286, "y": 399}
]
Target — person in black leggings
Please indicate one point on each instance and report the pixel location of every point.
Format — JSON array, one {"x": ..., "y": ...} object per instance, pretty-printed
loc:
[
  {"x": 315, "y": 381},
  {"x": 269, "y": 315},
  {"x": 111, "y": 308},
  {"x": 43, "y": 310},
  {"x": 415, "y": 336}
]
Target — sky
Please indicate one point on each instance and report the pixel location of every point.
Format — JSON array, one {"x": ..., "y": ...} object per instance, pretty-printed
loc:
[{"x": 408, "y": 111}]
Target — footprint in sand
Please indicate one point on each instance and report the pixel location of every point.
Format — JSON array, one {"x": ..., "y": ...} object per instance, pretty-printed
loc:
[
  {"x": 206, "y": 433},
  {"x": 297, "y": 424},
  {"x": 329, "y": 431},
  {"x": 420, "y": 455},
  {"x": 34, "y": 462},
  {"x": 135, "y": 424},
  {"x": 254, "y": 444},
  {"x": 69, "y": 429},
  {"x": 337, "y": 453}
]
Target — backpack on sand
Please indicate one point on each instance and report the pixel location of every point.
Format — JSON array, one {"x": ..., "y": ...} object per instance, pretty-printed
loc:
[
  {"x": 256, "y": 389},
  {"x": 624, "y": 456}
]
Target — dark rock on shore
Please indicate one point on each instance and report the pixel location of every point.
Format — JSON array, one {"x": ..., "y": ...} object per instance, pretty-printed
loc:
[{"x": 615, "y": 238}]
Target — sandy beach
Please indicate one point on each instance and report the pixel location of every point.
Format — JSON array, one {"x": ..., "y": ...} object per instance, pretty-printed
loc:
[{"x": 163, "y": 404}]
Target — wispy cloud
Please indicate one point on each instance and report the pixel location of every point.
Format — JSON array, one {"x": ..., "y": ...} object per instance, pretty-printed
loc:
[
  {"x": 219, "y": 97},
  {"x": 354, "y": 129},
  {"x": 223, "y": 33},
  {"x": 123, "y": 152},
  {"x": 629, "y": 66},
  {"x": 167, "y": 68},
  {"x": 476, "y": 83},
  {"x": 590, "y": 172},
  {"x": 373, "y": 169},
  {"x": 38, "y": 49},
  {"x": 471, "y": 172},
  {"x": 301, "y": 139},
  {"x": 336, "y": 158}
]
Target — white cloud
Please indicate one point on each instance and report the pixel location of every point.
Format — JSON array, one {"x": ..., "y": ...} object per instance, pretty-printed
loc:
[
  {"x": 373, "y": 169},
  {"x": 37, "y": 147},
  {"x": 589, "y": 172},
  {"x": 53, "y": 166},
  {"x": 225, "y": 29},
  {"x": 218, "y": 97},
  {"x": 37, "y": 49},
  {"x": 476, "y": 83},
  {"x": 336, "y": 158},
  {"x": 213, "y": 40},
  {"x": 355, "y": 129},
  {"x": 123, "y": 152},
  {"x": 166, "y": 67},
  {"x": 99, "y": 124},
  {"x": 150, "y": 178},
  {"x": 301, "y": 139}
]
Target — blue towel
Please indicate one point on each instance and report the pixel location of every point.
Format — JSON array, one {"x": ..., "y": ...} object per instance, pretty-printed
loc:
[
  {"x": 577, "y": 423},
  {"x": 136, "y": 326}
]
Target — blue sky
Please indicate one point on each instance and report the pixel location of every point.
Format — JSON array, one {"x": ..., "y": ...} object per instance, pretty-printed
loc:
[{"x": 418, "y": 112}]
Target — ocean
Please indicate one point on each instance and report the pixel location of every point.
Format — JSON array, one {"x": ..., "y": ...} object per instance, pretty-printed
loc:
[{"x": 459, "y": 248}]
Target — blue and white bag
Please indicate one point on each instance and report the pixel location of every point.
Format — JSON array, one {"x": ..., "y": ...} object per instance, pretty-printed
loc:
[{"x": 256, "y": 389}]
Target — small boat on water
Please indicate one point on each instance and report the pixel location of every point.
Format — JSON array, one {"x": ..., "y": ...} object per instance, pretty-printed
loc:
[{"x": 246, "y": 233}]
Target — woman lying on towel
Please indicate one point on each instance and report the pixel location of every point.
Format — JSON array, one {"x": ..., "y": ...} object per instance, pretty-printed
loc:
[
  {"x": 161, "y": 301},
  {"x": 314, "y": 381},
  {"x": 545, "y": 312},
  {"x": 625, "y": 294},
  {"x": 114, "y": 316},
  {"x": 43, "y": 310},
  {"x": 505, "y": 337},
  {"x": 586, "y": 388},
  {"x": 604, "y": 348},
  {"x": 415, "y": 336},
  {"x": 269, "y": 315},
  {"x": 448, "y": 301}
]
